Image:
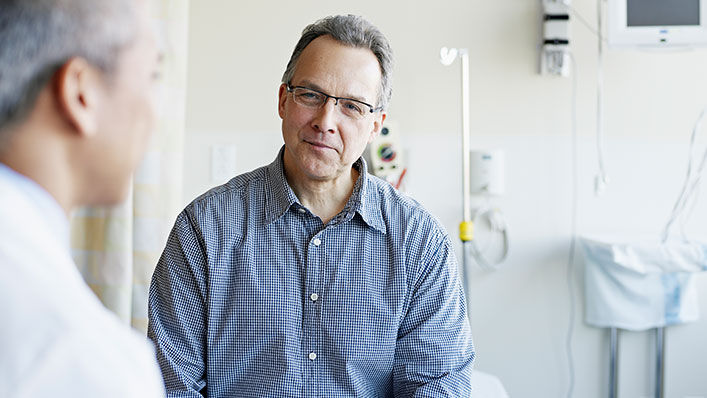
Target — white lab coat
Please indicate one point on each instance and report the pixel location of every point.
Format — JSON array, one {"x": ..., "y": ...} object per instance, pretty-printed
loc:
[{"x": 56, "y": 338}]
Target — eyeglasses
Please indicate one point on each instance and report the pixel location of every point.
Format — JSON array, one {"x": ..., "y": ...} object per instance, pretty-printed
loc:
[{"x": 311, "y": 98}]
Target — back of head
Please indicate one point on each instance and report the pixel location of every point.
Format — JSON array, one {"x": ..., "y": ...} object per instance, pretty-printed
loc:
[
  {"x": 38, "y": 36},
  {"x": 353, "y": 31}
]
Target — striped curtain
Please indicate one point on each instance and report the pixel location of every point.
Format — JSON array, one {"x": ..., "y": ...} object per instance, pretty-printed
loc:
[{"x": 116, "y": 249}]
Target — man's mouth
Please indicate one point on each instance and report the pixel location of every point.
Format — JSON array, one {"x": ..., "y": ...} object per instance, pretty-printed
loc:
[{"x": 318, "y": 144}]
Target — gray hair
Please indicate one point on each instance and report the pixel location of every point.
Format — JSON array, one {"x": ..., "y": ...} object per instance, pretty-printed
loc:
[
  {"x": 38, "y": 36},
  {"x": 353, "y": 31}
]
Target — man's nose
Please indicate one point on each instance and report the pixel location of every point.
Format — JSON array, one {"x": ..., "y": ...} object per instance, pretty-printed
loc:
[{"x": 327, "y": 116}]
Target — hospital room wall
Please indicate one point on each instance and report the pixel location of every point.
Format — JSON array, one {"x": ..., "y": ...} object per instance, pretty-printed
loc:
[{"x": 237, "y": 53}]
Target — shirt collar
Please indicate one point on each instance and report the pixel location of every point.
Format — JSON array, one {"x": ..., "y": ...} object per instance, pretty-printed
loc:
[
  {"x": 369, "y": 206},
  {"x": 44, "y": 203},
  {"x": 279, "y": 196}
]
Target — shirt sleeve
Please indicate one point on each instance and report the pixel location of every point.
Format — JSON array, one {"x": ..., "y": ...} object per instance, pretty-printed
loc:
[
  {"x": 434, "y": 352},
  {"x": 177, "y": 311}
]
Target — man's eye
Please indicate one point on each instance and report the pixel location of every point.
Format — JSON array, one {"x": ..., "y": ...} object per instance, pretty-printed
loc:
[
  {"x": 309, "y": 95},
  {"x": 353, "y": 107}
]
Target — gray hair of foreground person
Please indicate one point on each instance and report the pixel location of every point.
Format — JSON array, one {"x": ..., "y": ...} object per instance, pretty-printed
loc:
[
  {"x": 37, "y": 37},
  {"x": 353, "y": 31}
]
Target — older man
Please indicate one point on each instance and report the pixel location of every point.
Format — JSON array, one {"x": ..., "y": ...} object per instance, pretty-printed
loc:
[
  {"x": 75, "y": 113},
  {"x": 309, "y": 277}
]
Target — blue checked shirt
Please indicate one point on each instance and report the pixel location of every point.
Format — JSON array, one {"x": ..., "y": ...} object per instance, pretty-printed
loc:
[{"x": 255, "y": 297}]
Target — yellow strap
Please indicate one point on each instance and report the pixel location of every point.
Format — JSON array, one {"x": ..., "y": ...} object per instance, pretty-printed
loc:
[{"x": 466, "y": 231}]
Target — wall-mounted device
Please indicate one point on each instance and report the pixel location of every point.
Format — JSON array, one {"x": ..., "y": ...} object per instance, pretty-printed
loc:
[
  {"x": 486, "y": 172},
  {"x": 385, "y": 155},
  {"x": 657, "y": 23},
  {"x": 555, "y": 53}
]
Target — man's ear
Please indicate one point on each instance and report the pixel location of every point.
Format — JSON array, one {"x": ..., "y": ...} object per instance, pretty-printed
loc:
[
  {"x": 77, "y": 90},
  {"x": 281, "y": 97},
  {"x": 377, "y": 126}
]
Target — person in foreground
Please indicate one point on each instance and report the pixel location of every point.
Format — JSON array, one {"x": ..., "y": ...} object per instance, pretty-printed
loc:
[
  {"x": 309, "y": 277},
  {"x": 75, "y": 113}
]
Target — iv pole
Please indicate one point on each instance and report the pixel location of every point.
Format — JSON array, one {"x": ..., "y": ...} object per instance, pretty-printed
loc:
[{"x": 466, "y": 231}]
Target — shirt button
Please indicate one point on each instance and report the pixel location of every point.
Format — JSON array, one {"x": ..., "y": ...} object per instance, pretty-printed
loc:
[
  {"x": 302, "y": 210},
  {"x": 317, "y": 241},
  {"x": 314, "y": 296},
  {"x": 312, "y": 356}
]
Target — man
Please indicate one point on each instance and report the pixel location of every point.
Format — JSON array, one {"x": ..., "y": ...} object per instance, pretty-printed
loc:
[
  {"x": 75, "y": 113},
  {"x": 309, "y": 277}
]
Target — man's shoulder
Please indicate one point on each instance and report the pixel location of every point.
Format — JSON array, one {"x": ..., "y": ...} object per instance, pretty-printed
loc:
[
  {"x": 400, "y": 208},
  {"x": 252, "y": 182},
  {"x": 389, "y": 197}
]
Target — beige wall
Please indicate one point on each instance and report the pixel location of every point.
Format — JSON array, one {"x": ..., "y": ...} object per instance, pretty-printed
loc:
[{"x": 238, "y": 50}]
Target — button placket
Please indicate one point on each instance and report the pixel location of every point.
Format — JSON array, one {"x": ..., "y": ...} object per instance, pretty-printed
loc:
[{"x": 312, "y": 321}]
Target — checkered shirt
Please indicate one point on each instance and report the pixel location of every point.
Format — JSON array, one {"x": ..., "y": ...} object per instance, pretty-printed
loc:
[{"x": 255, "y": 297}]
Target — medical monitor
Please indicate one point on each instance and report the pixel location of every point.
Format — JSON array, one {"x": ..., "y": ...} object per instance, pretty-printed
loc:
[{"x": 657, "y": 23}]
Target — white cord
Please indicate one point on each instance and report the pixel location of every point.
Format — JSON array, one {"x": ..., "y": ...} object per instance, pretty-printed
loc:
[
  {"x": 687, "y": 214},
  {"x": 687, "y": 198},
  {"x": 601, "y": 179},
  {"x": 586, "y": 24},
  {"x": 573, "y": 229},
  {"x": 494, "y": 218}
]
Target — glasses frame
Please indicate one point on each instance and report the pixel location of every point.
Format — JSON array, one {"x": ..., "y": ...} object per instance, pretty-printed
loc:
[{"x": 371, "y": 109}]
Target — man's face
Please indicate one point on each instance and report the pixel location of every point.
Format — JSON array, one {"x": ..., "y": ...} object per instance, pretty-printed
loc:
[
  {"x": 322, "y": 143},
  {"x": 126, "y": 113}
]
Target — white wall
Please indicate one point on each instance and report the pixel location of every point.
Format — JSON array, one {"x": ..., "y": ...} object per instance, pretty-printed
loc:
[{"x": 238, "y": 51}]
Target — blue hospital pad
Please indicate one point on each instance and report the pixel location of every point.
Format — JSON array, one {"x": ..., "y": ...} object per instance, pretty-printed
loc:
[{"x": 641, "y": 285}]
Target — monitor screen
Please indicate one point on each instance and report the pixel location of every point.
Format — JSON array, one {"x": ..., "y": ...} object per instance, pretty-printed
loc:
[{"x": 662, "y": 12}]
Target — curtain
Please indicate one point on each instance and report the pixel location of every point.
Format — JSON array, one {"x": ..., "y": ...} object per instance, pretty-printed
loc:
[{"x": 116, "y": 249}]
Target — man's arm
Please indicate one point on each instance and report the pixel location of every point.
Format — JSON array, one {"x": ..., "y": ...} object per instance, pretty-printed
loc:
[
  {"x": 434, "y": 352},
  {"x": 177, "y": 311}
]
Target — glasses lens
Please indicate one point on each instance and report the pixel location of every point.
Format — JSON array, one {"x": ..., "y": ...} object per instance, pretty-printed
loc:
[
  {"x": 307, "y": 97},
  {"x": 352, "y": 108}
]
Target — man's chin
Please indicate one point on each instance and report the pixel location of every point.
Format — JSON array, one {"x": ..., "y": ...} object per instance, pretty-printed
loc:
[{"x": 319, "y": 175}]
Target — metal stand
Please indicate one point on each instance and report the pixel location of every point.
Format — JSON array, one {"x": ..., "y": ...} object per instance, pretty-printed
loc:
[
  {"x": 466, "y": 267},
  {"x": 613, "y": 358},
  {"x": 659, "y": 362},
  {"x": 660, "y": 358}
]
